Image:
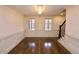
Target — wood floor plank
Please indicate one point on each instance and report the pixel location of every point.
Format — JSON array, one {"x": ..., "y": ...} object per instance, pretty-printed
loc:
[{"x": 23, "y": 47}]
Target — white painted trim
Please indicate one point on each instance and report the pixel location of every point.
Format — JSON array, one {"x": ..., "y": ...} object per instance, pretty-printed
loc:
[
  {"x": 8, "y": 43},
  {"x": 70, "y": 43}
]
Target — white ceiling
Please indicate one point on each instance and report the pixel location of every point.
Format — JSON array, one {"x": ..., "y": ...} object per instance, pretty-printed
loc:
[{"x": 50, "y": 10}]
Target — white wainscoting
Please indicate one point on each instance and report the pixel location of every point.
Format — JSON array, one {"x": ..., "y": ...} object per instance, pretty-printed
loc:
[
  {"x": 9, "y": 42},
  {"x": 42, "y": 33},
  {"x": 70, "y": 43}
]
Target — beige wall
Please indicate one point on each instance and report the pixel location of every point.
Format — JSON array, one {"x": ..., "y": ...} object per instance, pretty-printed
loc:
[
  {"x": 72, "y": 22},
  {"x": 11, "y": 28},
  {"x": 11, "y": 21},
  {"x": 71, "y": 39},
  {"x": 58, "y": 20},
  {"x": 39, "y": 32}
]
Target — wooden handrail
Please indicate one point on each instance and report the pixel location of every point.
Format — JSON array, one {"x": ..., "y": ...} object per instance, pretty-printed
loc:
[{"x": 60, "y": 28}]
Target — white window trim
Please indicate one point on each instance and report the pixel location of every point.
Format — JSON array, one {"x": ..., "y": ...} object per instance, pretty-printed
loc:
[
  {"x": 32, "y": 24},
  {"x": 49, "y": 24}
]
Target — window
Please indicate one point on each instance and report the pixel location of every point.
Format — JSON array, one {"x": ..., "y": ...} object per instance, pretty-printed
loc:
[
  {"x": 48, "y": 24},
  {"x": 32, "y": 24}
]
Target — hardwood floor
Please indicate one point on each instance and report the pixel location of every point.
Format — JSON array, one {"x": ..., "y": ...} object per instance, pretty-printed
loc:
[{"x": 39, "y": 46}]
